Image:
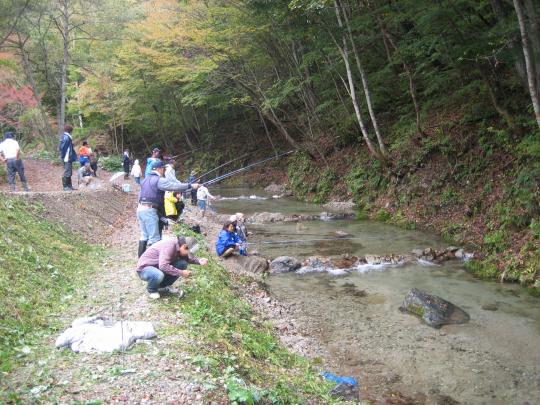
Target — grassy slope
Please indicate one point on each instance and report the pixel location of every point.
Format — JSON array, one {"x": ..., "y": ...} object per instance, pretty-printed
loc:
[
  {"x": 40, "y": 265},
  {"x": 234, "y": 346}
]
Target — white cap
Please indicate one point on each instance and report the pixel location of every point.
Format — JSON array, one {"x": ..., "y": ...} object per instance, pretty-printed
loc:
[
  {"x": 232, "y": 218},
  {"x": 239, "y": 215}
]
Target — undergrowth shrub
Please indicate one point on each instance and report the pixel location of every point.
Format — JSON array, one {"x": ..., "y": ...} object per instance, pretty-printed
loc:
[{"x": 111, "y": 163}]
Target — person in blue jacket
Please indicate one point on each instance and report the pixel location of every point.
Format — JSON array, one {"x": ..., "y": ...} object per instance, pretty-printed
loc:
[
  {"x": 228, "y": 241},
  {"x": 68, "y": 156},
  {"x": 156, "y": 152}
]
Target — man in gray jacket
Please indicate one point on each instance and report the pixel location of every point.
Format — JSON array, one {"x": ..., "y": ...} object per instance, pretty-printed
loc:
[{"x": 151, "y": 199}]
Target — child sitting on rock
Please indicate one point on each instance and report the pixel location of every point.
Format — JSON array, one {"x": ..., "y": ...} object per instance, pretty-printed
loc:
[{"x": 228, "y": 241}]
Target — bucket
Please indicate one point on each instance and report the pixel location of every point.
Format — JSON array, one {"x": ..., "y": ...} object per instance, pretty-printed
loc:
[{"x": 126, "y": 188}]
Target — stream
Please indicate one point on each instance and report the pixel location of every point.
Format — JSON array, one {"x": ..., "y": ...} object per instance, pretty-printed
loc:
[{"x": 493, "y": 359}]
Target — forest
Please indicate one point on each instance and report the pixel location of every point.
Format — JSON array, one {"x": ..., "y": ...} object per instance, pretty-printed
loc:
[{"x": 422, "y": 112}]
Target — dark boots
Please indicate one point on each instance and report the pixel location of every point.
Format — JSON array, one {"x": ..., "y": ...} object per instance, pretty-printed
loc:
[
  {"x": 142, "y": 247},
  {"x": 66, "y": 184}
]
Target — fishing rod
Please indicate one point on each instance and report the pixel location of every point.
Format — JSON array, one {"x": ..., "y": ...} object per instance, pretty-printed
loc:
[
  {"x": 224, "y": 164},
  {"x": 227, "y": 175},
  {"x": 186, "y": 152}
]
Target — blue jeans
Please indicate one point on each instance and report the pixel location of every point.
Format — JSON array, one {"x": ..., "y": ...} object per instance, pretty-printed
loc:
[
  {"x": 149, "y": 225},
  {"x": 15, "y": 166},
  {"x": 201, "y": 204},
  {"x": 157, "y": 279},
  {"x": 138, "y": 180}
]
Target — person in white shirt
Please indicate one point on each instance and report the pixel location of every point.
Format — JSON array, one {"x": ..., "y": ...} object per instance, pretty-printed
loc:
[
  {"x": 10, "y": 154},
  {"x": 136, "y": 172},
  {"x": 202, "y": 196}
]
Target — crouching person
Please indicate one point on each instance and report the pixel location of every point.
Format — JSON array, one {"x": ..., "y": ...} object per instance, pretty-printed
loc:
[{"x": 163, "y": 263}]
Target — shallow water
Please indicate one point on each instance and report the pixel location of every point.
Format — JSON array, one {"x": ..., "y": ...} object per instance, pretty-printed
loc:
[
  {"x": 493, "y": 359},
  {"x": 249, "y": 201}
]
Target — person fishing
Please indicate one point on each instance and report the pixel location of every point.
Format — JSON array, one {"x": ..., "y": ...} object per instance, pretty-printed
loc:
[
  {"x": 228, "y": 241},
  {"x": 151, "y": 200},
  {"x": 163, "y": 263},
  {"x": 192, "y": 179},
  {"x": 154, "y": 158},
  {"x": 241, "y": 229},
  {"x": 10, "y": 153},
  {"x": 203, "y": 197}
]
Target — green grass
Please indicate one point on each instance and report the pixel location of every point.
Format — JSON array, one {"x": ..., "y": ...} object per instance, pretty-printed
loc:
[
  {"x": 235, "y": 346},
  {"x": 41, "y": 266}
]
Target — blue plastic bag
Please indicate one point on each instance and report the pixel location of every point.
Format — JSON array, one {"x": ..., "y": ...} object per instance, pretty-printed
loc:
[{"x": 339, "y": 380}]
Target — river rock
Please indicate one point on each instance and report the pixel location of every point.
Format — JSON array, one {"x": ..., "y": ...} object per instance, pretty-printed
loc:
[
  {"x": 433, "y": 310},
  {"x": 284, "y": 264},
  {"x": 341, "y": 234},
  {"x": 459, "y": 254},
  {"x": 253, "y": 264},
  {"x": 346, "y": 392},
  {"x": 346, "y": 206},
  {"x": 275, "y": 188},
  {"x": 418, "y": 252}
]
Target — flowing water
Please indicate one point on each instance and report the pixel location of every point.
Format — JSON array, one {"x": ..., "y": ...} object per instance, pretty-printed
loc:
[{"x": 493, "y": 359}]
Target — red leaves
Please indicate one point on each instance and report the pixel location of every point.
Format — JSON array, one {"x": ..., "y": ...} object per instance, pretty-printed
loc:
[{"x": 14, "y": 102}]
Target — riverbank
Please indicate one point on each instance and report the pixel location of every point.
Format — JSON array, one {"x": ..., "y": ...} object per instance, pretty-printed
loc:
[
  {"x": 484, "y": 199},
  {"x": 211, "y": 346}
]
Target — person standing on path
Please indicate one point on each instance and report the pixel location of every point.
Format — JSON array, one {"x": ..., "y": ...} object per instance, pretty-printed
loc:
[
  {"x": 68, "y": 156},
  {"x": 126, "y": 163},
  {"x": 151, "y": 199},
  {"x": 156, "y": 152},
  {"x": 136, "y": 172},
  {"x": 10, "y": 153},
  {"x": 163, "y": 263}
]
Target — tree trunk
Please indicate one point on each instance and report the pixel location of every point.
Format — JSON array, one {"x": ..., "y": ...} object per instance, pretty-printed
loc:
[
  {"x": 498, "y": 9},
  {"x": 529, "y": 63},
  {"x": 343, "y": 50},
  {"x": 266, "y": 131},
  {"x": 64, "y": 10},
  {"x": 365, "y": 85},
  {"x": 535, "y": 38},
  {"x": 46, "y": 127}
]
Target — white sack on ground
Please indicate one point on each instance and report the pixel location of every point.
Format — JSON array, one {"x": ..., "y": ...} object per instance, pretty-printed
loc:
[{"x": 97, "y": 334}]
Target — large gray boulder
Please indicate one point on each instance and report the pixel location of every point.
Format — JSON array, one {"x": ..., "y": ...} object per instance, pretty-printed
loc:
[
  {"x": 433, "y": 310},
  {"x": 253, "y": 264},
  {"x": 284, "y": 264}
]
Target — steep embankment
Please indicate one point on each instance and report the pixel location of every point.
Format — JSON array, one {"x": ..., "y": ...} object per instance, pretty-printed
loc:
[{"x": 475, "y": 186}]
